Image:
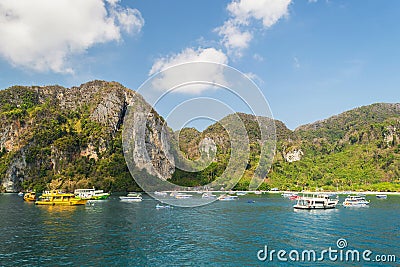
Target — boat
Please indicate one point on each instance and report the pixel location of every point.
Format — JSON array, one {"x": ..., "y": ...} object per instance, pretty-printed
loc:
[
  {"x": 30, "y": 196},
  {"x": 91, "y": 194},
  {"x": 182, "y": 196},
  {"x": 57, "y": 197},
  {"x": 241, "y": 193},
  {"x": 257, "y": 192},
  {"x": 289, "y": 195},
  {"x": 131, "y": 197},
  {"x": 355, "y": 201},
  {"x": 286, "y": 195},
  {"x": 157, "y": 193},
  {"x": 313, "y": 201},
  {"x": 225, "y": 197},
  {"x": 208, "y": 195},
  {"x": 158, "y": 206},
  {"x": 381, "y": 196},
  {"x": 21, "y": 194}
]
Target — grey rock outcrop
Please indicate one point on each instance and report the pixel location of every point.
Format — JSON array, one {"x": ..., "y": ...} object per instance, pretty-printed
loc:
[{"x": 104, "y": 102}]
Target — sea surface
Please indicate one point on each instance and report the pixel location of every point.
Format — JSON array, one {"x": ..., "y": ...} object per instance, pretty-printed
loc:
[{"x": 230, "y": 233}]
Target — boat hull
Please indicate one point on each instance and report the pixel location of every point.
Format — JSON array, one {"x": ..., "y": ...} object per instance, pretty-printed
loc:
[
  {"x": 100, "y": 197},
  {"x": 73, "y": 202},
  {"x": 130, "y": 199},
  {"x": 314, "y": 208},
  {"x": 356, "y": 205},
  {"x": 59, "y": 198},
  {"x": 227, "y": 198}
]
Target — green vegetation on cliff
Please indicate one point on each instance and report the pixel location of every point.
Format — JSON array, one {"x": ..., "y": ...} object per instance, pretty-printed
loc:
[
  {"x": 46, "y": 146},
  {"x": 356, "y": 150},
  {"x": 54, "y": 137}
]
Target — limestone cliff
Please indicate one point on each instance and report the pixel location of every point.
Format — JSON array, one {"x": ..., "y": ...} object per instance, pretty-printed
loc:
[{"x": 69, "y": 134}]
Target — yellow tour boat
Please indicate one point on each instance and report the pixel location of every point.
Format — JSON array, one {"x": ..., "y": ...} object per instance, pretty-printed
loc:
[
  {"x": 30, "y": 196},
  {"x": 56, "y": 197}
]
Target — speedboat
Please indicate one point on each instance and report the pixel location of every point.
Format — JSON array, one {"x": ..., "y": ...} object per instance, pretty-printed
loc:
[
  {"x": 157, "y": 193},
  {"x": 227, "y": 197},
  {"x": 208, "y": 195},
  {"x": 57, "y": 197},
  {"x": 131, "y": 197},
  {"x": 158, "y": 206},
  {"x": 241, "y": 193},
  {"x": 315, "y": 201},
  {"x": 91, "y": 194},
  {"x": 286, "y": 195},
  {"x": 381, "y": 196},
  {"x": 30, "y": 196},
  {"x": 355, "y": 201},
  {"x": 182, "y": 196},
  {"x": 290, "y": 195}
]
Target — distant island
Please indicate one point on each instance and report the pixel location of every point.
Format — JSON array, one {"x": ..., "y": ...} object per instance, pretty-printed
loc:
[{"x": 55, "y": 137}]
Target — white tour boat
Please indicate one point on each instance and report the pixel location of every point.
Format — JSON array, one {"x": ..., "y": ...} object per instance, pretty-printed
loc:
[
  {"x": 91, "y": 193},
  {"x": 131, "y": 197},
  {"x": 162, "y": 193},
  {"x": 355, "y": 201},
  {"x": 208, "y": 195},
  {"x": 182, "y": 196},
  {"x": 315, "y": 201},
  {"x": 227, "y": 197}
]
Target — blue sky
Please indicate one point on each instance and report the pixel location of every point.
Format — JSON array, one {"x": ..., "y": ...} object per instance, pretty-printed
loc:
[{"x": 311, "y": 59}]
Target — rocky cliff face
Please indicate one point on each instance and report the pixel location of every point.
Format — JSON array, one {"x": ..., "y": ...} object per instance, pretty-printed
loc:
[
  {"x": 52, "y": 132},
  {"x": 293, "y": 155},
  {"x": 59, "y": 137}
]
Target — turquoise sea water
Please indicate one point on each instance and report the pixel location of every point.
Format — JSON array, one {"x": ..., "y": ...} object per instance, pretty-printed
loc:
[{"x": 113, "y": 233}]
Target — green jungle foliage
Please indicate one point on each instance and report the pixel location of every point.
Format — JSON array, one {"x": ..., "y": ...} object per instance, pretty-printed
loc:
[
  {"x": 52, "y": 145},
  {"x": 356, "y": 150}
]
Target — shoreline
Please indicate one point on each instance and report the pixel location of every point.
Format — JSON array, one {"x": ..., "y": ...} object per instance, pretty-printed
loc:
[
  {"x": 293, "y": 192},
  {"x": 275, "y": 192},
  {"x": 341, "y": 192}
]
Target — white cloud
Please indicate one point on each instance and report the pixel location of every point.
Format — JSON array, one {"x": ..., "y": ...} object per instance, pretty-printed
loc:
[
  {"x": 258, "y": 57},
  {"x": 112, "y": 2},
  {"x": 44, "y": 34},
  {"x": 268, "y": 11},
  {"x": 235, "y": 32},
  {"x": 233, "y": 38},
  {"x": 296, "y": 63},
  {"x": 130, "y": 20},
  {"x": 190, "y": 55},
  {"x": 254, "y": 77},
  {"x": 211, "y": 73}
]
